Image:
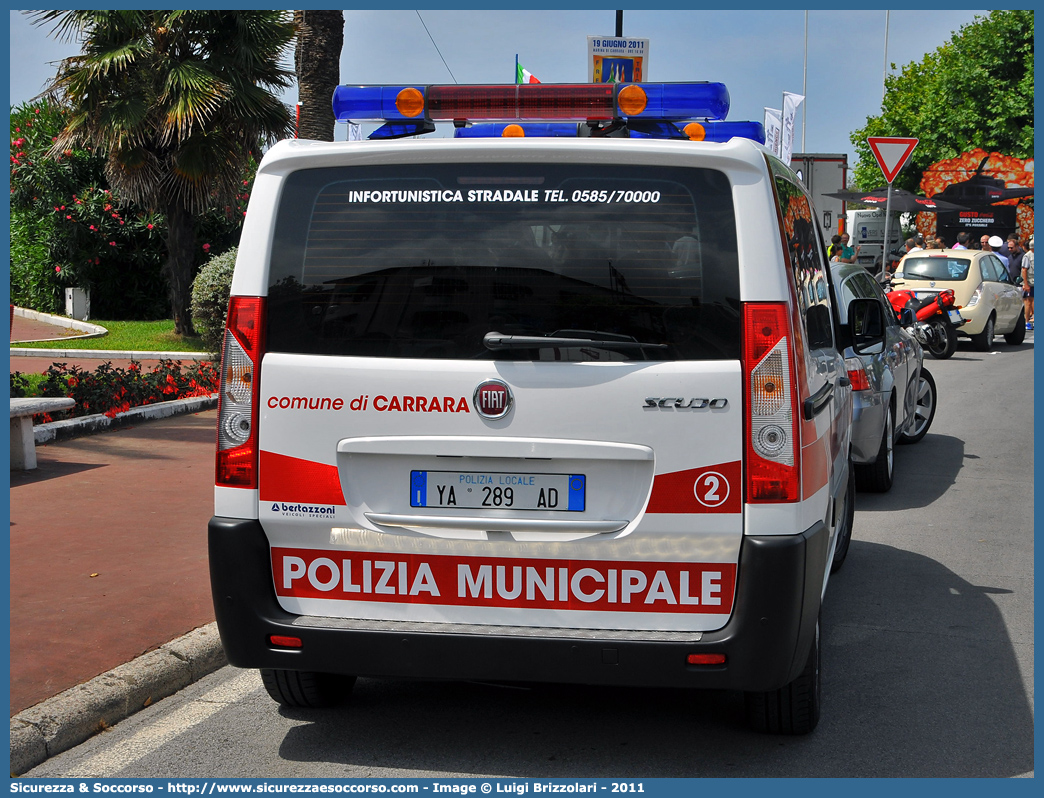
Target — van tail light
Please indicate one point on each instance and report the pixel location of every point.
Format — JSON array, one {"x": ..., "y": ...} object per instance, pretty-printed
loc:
[
  {"x": 857, "y": 374},
  {"x": 238, "y": 402},
  {"x": 772, "y": 445}
]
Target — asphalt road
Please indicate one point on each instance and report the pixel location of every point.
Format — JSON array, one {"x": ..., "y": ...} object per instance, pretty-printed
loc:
[{"x": 928, "y": 657}]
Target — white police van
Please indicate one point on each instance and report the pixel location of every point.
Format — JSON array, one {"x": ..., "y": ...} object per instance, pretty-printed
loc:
[{"x": 556, "y": 402}]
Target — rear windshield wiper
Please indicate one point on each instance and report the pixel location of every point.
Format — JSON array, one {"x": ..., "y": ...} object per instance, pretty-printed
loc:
[{"x": 495, "y": 340}]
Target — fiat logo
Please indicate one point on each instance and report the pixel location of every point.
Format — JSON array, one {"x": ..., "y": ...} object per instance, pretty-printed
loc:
[{"x": 493, "y": 399}]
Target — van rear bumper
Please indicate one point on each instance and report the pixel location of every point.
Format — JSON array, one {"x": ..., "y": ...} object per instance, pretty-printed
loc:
[{"x": 765, "y": 642}]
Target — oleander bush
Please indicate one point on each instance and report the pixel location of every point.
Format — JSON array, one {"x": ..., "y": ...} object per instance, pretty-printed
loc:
[{"x": 112, "y": 389}]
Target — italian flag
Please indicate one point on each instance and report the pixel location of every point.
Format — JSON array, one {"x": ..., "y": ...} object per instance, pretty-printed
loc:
[{"x": 523, "y": 75}]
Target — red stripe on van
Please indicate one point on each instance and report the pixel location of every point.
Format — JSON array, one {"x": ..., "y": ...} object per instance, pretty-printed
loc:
[
  {"x": 509, "y": 582},
  {"x": 710, "y": 489},
  {"x": 291, "y": 479}
]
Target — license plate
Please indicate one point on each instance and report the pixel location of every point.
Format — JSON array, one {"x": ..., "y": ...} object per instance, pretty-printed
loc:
[
  {"x": 955, "y": 316},
  {"x": 477, "y": 490}
]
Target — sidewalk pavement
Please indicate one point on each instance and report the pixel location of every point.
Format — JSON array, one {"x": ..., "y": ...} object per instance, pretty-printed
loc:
[{"x": 109, "y": 585}]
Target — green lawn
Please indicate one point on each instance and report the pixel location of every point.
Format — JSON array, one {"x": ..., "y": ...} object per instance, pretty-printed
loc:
[{"x": 143, "y": 336}]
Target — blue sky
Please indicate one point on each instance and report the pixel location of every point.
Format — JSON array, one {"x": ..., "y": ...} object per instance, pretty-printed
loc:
[{"x": 758, "y": 54}]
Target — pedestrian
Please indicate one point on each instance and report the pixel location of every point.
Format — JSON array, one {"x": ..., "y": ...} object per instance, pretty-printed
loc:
[
  {"x": 1027, "y": 284},
  {"x": 940, "y": 243},
  {"x": 1015, "y": 255},
  {"x": 912, "y": 245},
  {"x": 962, "y": 240},
  {"x": 993, "y": 244},
  {"x": 834, "y": 250},
  {"x": 986, "y": 244},
  {"x": 848, "y": 253}
]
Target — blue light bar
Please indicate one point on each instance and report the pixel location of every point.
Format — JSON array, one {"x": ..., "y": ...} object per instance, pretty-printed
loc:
[
  {"x": 531, "y": 130},
  {"x": 678, "y": 101},
  {"x": 707, "y": 130},
  {"x": 528, "y": 102},
  {"x": 372, "y": 103}
]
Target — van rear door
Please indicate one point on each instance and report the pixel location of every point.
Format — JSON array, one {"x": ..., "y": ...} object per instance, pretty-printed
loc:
[{"x": 505, "y": 392}]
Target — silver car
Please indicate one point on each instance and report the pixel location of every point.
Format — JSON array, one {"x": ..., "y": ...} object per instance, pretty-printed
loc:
[{"x": 893, "y": 395}]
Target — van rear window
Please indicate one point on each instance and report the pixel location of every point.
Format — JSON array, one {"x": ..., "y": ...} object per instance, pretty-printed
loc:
[{"x": 424, "y": 261}]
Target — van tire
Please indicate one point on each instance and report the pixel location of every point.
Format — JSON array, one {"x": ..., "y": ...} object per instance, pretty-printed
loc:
[
  {"x": 307, "y": 689},
  {"x": 876, "y": 477},
  {"x": 793, "y": 708},
  {"x": 845, "y": 523}
]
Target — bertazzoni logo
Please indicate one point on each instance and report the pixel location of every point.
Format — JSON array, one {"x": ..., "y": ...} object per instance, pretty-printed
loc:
[{"x": 493, "y": 399}]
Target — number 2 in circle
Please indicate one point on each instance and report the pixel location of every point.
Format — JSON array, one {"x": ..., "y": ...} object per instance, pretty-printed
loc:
[{"x": 711, "y": 489}]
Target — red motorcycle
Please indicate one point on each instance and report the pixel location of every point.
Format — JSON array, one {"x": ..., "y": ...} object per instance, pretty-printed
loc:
[{"x": 938, "y": 314}]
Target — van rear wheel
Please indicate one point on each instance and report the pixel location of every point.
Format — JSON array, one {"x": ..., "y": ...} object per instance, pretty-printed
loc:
[
  {"x": 793, "y": 708},
  {"x": 307, "y": 689}
]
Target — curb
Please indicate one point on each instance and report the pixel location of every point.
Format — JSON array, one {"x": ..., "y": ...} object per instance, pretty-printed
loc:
[
  {"x": 89, "y": 330},
  {"x": 84, "y": 425},
  {"x": 107, "y": 354},
  {"x": 76, "y": 714}
]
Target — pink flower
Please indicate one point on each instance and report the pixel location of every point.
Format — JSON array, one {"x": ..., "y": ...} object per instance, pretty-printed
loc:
[
  {"x": 112, "y": 243},
  {"x": 206, "y": 247},
  {"x": 92, "y": 227},
  {"x": 149, "y": 226},
  {"x": 57, "y": 269}
]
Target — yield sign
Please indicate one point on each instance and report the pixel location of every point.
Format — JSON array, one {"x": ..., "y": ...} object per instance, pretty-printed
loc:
[{"x": 891, "y": 153}]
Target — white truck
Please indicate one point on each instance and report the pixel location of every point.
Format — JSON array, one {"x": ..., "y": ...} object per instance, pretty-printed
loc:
[
  {"x": 823, "y": 174},
  {"x": 866, "y": 228}
]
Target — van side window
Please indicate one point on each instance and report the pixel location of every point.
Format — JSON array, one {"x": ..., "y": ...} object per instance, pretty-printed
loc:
[{"x": 807, "y": 263}]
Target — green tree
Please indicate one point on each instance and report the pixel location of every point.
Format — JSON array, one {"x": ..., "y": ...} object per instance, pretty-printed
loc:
[
  {"x": 178, "y": 102},
  {"x": 974, "y": 91},
  {"x": 317, "y": 61},
  {"x": 68, "y": 228}
]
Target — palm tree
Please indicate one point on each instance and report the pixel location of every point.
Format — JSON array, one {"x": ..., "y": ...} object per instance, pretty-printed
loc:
[
  {"x": 178, "y": 102},
  {"x": 320, "y": 37}
]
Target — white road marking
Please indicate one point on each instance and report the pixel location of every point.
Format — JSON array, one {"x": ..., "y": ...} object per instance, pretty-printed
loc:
[{"x": 111, "y": 761}]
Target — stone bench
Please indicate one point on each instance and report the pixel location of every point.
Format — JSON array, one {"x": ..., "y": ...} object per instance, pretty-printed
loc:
[{"x": 23, "y": 444}]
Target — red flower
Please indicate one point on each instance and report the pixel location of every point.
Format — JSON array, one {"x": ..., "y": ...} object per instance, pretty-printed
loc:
[
  {"x": 206, "y": 247},
  {"x": 57, "y": 269},
  {"x": 149, "y": 226}
]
